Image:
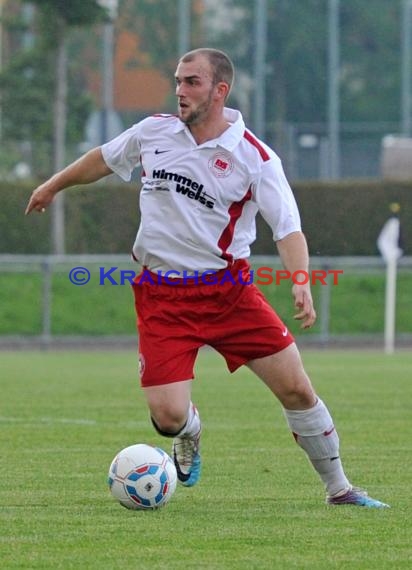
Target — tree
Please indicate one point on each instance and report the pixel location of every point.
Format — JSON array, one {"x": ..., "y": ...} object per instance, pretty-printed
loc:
[
  {"x": 34, "y": 74},
  {"x": 370, "y": 60},
  {"x": 156, "y": 23},
  {"x": 55, "y": 17},
  {"x": 63, "y": 15},
  {"x": 297, "y": 34}
]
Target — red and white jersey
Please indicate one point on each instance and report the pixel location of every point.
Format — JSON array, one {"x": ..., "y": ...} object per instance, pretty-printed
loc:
[{"x": 199, "y": 202}]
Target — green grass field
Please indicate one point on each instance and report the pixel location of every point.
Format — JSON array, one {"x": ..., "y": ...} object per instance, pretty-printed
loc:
[{"x": 259, "y": 505}]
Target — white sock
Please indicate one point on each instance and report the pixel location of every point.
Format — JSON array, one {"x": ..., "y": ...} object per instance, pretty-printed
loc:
[
  {"x": 314, "y": 431},
  {"x": 192, "y": 426}
]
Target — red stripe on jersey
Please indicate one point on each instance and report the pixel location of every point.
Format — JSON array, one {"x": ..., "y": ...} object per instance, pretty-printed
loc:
[
  {"x": 250, "y": 138},
  {"x": 235, "y": 211}
]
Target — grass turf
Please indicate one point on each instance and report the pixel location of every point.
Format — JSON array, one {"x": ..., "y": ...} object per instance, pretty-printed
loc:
[{"x": 259, "y": 505}]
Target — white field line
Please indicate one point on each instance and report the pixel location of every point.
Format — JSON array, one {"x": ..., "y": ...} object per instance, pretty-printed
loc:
[{"x": 46, "y": 421}]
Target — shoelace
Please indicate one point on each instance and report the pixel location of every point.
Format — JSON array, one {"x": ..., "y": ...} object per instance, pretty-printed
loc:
[{"x": 185, "y": 450}]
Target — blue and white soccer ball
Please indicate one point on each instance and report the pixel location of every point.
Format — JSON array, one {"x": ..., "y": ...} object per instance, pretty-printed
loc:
[{"x": 142, "y": 477}]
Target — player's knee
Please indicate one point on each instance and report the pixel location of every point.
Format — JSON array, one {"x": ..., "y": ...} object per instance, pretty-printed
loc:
[
  {"x": 297, "y": 395},
  {"x": 168, "y": 425}
]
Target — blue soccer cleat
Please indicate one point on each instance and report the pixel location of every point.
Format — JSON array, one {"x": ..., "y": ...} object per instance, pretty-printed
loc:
[
  {"x": 356, "y": 496},
  {"x": 187, "y": 460}
]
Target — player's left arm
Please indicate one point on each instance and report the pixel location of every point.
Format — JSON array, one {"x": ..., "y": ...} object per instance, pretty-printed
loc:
[
  {"x": 293, "y": 251},
  {"x": 278, "y": 207}
]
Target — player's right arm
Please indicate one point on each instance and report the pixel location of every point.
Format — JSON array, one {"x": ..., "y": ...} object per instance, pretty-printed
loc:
[{"x": 88, "y": 168}]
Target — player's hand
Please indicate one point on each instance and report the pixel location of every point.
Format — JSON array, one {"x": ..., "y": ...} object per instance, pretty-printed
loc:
[
  {"x": 304, "y": 305},
  {"x": 40, "y": 199}
]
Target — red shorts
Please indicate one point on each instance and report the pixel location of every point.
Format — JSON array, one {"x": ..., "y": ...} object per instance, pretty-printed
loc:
[{"x": 174, "y": 321}]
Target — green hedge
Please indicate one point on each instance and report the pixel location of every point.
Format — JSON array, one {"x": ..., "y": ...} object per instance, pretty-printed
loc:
[
  {"x": 338, "y": 218},
  {"x": 345, "y": 218}
]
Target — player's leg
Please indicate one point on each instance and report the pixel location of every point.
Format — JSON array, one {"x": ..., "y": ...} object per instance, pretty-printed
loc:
[
  {"x": 168, "y": 351},
  {"x": 174, "y": 415},
  {"x": 257, "y": 337},
  {"x": 306, "y": 414},
  {"x": 310, "y": 422}
]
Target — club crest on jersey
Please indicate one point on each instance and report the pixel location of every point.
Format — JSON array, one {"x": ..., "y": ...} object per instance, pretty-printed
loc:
[{"x": 221, "y": 164}]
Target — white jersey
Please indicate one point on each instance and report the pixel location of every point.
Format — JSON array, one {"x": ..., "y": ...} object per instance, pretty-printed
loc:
[{"x": 199, "y": 202}]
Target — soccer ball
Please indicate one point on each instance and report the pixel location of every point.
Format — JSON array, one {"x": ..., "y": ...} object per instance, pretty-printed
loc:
[{"x": 142, "y": 477}]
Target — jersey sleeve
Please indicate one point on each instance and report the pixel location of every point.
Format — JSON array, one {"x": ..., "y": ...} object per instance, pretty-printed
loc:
[
  {"x": 275, "y": 200},
  {"x": 122, "y": 154}
]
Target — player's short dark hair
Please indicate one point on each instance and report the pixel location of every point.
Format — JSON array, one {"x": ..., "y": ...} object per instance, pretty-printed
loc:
[{"x": 223, "y": 68}]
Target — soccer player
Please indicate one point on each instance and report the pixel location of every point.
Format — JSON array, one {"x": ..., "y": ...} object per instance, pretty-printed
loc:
[{"x": 204, "y": 178}]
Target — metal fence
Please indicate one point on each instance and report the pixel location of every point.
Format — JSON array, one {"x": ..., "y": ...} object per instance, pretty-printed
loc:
[
  {"x": 45, "y": 297},
  {"x": 303, "y": 147}
]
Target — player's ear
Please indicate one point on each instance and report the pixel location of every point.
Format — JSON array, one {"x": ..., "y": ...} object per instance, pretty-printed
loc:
[{"x": 222, "y": 90}]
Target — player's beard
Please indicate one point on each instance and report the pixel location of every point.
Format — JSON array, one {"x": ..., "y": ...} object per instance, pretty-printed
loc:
[{"x": 199, "y": 113}]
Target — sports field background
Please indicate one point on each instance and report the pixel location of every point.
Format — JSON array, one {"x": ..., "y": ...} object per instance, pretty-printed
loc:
[
  {"x": 259, "y": 505},
  {"x": 356, "y": 303}
]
